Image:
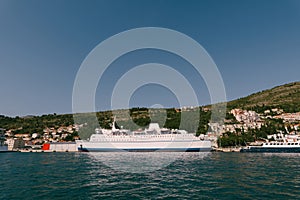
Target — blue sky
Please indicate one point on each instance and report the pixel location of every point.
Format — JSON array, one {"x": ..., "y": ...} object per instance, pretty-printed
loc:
[{"x": 255, "y": 44}]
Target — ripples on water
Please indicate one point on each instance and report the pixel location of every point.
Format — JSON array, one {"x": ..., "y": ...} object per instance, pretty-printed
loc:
[{"x": 192, "y": 176}]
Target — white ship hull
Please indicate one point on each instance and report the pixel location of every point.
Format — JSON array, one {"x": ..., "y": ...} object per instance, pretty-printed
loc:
[
  {"x": 284, "y": 144},
  {"x": 151, "y": 139},
  {"x": 144, "y": 146}
]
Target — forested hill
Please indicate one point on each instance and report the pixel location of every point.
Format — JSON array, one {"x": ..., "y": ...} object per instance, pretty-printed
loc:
[{"x": 285, "y": 96}]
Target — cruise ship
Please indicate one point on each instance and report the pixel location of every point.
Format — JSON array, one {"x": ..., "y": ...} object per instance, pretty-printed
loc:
[
  {"x": 153, "y": 138},
  {"x": 282, "y": 144}
]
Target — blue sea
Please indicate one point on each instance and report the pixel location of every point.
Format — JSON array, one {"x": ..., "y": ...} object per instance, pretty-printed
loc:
[{"x": 149, "y": 176}]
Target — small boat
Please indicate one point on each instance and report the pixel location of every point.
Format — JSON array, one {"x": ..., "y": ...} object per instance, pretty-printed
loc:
[{"x": 282, "y": 144}]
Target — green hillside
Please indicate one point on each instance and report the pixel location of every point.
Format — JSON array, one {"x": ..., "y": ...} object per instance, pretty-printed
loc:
[{"x": 285, "y": 96}]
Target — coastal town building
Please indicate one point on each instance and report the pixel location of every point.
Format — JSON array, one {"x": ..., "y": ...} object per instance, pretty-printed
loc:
[
  {"x": 15, "y": 143},
  {"x": 289, "y": 117},
  {"x": 62, "y": 146},
  {"x": 245, "y": 115},
  {"x": 247, "y": 120}
]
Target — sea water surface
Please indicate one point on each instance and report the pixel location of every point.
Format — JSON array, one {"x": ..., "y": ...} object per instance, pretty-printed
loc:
[{"x": 193, "y": 176}]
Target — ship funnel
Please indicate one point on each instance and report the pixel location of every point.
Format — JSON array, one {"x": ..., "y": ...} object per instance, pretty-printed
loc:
[{"x": 114, "y": 124}]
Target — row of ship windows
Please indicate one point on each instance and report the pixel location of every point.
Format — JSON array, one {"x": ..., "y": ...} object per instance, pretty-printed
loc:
[
  {"x": 282, "y": 143},
  {"x": 148, "y": 136},
  {"x": 130, "y": 140}
]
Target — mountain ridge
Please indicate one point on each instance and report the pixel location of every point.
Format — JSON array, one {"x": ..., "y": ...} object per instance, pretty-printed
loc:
[{"x": 286, "y": 96}]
